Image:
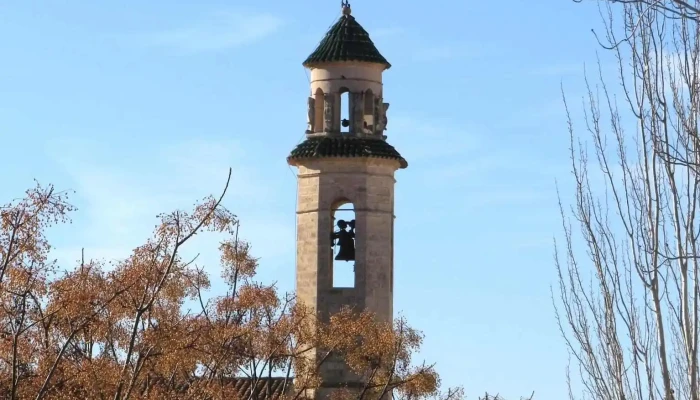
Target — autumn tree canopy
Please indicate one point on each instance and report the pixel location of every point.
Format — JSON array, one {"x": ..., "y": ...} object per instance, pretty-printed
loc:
[{"x": 93, "y": 331}]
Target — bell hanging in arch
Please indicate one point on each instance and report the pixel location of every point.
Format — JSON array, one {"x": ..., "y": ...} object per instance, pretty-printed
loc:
[{"x": 345, "y": 240}]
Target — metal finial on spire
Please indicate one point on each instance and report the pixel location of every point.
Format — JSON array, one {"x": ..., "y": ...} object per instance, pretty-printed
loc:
[{"x": 346, "y": 7}]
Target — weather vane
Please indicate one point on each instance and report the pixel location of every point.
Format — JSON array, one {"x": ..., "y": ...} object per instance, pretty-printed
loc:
[{"x": 346, "y": 6}]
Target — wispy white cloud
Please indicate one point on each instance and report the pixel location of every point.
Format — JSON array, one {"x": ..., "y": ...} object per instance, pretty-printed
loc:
[
  {"x": 220, "y": 31},
  {"x": 438, "y": 53},
  {"x": 489, "y": 197},
  {"x": 558, "y": 69},
  {"x": 467, "y": 158},
  {"x": 576, "y": 70},
  {"x": 381, "y": 33},
  {"x": 420, "y": 139},
  {"x": 119, "y": 200},
  {"x": 533, "y": 241}
]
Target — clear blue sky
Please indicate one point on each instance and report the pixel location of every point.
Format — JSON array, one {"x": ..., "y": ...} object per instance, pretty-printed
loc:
[{"x": 141, "y": 107}]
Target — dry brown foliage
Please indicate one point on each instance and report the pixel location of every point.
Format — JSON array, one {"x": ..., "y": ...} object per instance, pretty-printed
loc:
[{"x": 94, "y": 332}]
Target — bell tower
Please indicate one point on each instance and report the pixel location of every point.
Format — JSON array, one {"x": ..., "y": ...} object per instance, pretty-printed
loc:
[{"x": 345, "y": 162}]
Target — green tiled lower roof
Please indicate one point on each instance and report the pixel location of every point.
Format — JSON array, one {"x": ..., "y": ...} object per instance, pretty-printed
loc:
[
  {"x": 322, "y": 147},
  {"x": 346, "y": 40}
]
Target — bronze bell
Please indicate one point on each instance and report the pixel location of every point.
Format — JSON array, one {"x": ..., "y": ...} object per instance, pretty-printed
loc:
[
  {"x": 345, "y": 240},
  {"x": 346, "y": 254}
]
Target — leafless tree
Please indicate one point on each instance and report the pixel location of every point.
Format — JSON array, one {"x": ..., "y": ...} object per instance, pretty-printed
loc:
[
  {"x": 689, "y": 9},
  {"x": 628, "y": 298}
]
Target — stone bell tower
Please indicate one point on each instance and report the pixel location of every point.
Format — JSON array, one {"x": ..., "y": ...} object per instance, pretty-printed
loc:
[{"x": 346, "y": 162}]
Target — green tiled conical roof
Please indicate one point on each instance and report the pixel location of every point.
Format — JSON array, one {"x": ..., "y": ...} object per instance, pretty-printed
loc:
[
  {"x": 346, "y": 40},
  {"x": 328, "y": 147}
]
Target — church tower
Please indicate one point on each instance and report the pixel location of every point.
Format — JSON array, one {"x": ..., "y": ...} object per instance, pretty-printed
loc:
[{"x": 345, "y": 162}]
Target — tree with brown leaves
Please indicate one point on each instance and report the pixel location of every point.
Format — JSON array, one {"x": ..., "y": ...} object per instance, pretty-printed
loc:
[{"x": 120, "y": 332}]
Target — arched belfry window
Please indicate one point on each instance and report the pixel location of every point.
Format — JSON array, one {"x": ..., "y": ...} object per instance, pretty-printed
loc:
[
  {"x": 345, "y": 110},
  {"x": 318, "y": 112},
  {"x": 343, "y": 244}
]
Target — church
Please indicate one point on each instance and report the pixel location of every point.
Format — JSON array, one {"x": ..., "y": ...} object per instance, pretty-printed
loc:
[{"x": 344, "y": 162}]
